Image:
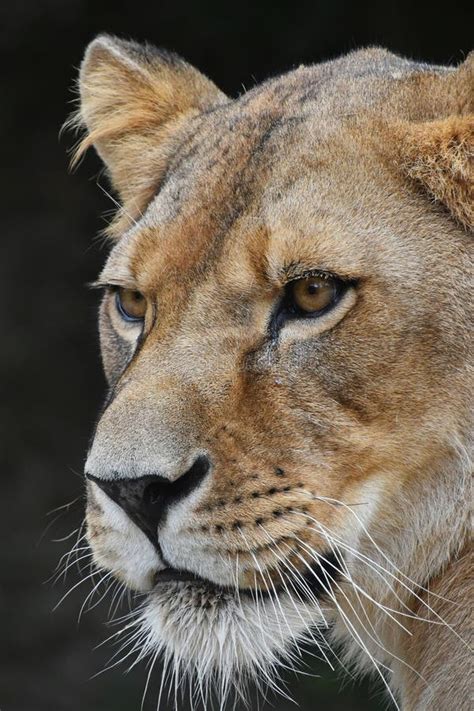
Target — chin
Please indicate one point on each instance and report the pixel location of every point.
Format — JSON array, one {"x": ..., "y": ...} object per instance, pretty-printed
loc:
[{"x": 217, "y": 638}]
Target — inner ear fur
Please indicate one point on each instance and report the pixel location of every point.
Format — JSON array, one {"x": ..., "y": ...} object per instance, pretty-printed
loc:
[
  {"x": 439, "y": 154},
  {"x": 133, "y": 98}
]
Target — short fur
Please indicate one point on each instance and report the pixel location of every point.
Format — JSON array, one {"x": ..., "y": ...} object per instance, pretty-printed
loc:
[{"x": 344, "y": 438}]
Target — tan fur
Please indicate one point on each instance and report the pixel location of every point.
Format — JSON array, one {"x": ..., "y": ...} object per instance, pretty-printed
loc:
[
  {"x": 127, "y": 119},
  {"x": 431, "y": 650},
  {"x": 440, "y": 155},
  {"x": 359, "y": 420}
]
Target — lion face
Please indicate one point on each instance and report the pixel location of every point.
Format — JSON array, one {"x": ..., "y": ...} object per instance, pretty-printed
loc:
[{"x": 283, "y": 329}]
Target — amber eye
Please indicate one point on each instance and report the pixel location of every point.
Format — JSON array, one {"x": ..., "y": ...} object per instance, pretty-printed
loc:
[
  {"x": 314, "y": 294},
  {"x": 130, "y": 304}
]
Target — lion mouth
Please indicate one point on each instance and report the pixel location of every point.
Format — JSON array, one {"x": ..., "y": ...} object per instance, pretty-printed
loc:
[
  {"x": 173, "y": 575},
  {"x": 195, "y": 582},
  {"x": 313, "y": 583}
]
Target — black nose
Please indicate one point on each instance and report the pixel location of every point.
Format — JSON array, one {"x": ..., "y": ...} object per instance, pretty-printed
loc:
[{"x": 146, "y": 499}]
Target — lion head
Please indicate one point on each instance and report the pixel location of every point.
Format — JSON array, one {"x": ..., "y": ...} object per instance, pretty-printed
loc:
[{"x": 285, "y": 333}]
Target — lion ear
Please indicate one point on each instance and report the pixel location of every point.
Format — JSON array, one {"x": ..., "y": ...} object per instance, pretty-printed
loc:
[
  {"x": 132, "y": 97},
  {"x": 439, "y": 154}
]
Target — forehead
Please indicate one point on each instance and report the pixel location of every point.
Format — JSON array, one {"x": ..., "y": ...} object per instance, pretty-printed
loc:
[{"x": 275, "y": 172}]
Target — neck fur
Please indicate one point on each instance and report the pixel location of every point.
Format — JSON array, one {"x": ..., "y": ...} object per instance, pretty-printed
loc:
[{"x": 408, "y": 597}]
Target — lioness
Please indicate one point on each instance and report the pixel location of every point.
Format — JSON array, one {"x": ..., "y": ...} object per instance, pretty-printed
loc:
[{"x": 285, "y": 449}]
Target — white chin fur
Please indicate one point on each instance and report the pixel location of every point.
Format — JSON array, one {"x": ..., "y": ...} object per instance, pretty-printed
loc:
[{"x": 218, "y": 636}]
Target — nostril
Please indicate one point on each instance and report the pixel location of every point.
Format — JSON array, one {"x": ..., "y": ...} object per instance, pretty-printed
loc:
[
  {"x": 143, "y": 499},
  {"x": 146, "y": 499},
  {"x": 153, "y": 494}
]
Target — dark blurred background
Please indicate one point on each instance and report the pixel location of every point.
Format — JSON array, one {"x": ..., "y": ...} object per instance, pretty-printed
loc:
[{"x": 51, "y": 377}]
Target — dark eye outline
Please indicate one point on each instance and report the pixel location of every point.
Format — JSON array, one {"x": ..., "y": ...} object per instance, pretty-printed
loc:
[
  {"x": 288, "y": 310},
  {"x": 122, "y": 311}
]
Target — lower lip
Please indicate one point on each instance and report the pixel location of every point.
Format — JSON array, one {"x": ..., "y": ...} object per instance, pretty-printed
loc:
[{"x": 171, "y": 575}]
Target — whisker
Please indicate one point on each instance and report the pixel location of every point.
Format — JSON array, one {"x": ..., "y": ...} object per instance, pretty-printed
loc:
[
  {"x": 83, "y": 580},
  {"x": 416, "y": 584},
  {"x": 296, "y": 573},
  {"x": 375, "y": 638},
  {"x": 371, "y": 563},
  {"x": 353, "y": 632},
  {"x": 116, "y": 203}
]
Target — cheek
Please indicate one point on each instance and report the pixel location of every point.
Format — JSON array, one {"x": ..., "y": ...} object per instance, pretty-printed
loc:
[
  {"x": 343, "y": 379},
  {"x": 116, "y": 352}
]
